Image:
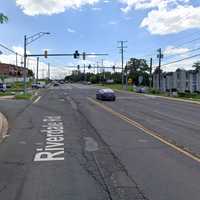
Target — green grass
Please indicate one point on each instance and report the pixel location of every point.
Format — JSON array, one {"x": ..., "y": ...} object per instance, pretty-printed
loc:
[
  {"x": 8, "y": 93},
  {"x": 116, "y": 86},
  {"x": 19, "y": 86},
  {"x": 27, "y": 96}
]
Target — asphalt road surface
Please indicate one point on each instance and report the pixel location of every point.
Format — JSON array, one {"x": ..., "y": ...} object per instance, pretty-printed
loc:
[{"x": 67, "y": 146}]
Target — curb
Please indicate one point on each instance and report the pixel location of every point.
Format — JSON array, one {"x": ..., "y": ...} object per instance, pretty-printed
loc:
[
  {"x": 162, "y": 97},
  {"x": 3, "y": 127}
]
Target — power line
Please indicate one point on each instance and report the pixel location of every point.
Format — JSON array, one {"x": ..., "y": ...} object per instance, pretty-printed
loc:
[
  {"x": 176, "y": 61},
  {"x": 180, "y": 54}
]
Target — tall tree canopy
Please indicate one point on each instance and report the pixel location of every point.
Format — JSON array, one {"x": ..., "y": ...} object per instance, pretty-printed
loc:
[
  {"x": 136, "y": 68},
  {"x": 3, "y": 18},
  {"x": 196, "y": 65}
]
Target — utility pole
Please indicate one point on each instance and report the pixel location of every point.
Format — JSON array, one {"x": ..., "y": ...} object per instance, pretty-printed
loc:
[
  {"x": 122, "y": 47},
  {"x": 160, "y": 57},
  {"x": 97, "y": 67},
  {"x": 84, "y": 73},
  {"x": 49, "y": 75},
  {"x": 151, "y": 78},
  {"x": 37, "y": 69},
  {"x": 25, "y": 41},
  {"x": 102, "y": 64},
  {"x": 126, "y": 77},
  {"x": 16, "y": 59}
]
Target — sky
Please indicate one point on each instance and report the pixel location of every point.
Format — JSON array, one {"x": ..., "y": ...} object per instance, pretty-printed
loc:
[{"x": 96, "y": 26}]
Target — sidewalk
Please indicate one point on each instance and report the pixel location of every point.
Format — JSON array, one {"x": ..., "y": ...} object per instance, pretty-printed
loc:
[{"x": 3, "y": 127}]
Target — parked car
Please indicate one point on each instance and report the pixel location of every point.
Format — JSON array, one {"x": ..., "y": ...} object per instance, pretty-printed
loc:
[
  {"x": 56, "y": 84},
  {"x": 142, "y": 90},
  {"x": 8, "y": 85},
  {"x": 38, "y": 85},
  {"x": 105, "y": 94},
  {"x": 61, "y": 82},
  {"x": 3, "y": 87}
]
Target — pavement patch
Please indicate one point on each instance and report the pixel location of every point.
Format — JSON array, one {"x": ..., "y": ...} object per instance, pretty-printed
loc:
[
  {"x": 54, "y": 147},
  {"x": 90, "y": 144}
]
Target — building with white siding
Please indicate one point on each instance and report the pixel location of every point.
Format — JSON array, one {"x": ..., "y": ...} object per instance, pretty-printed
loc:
[{"x": 180, "y": 80}]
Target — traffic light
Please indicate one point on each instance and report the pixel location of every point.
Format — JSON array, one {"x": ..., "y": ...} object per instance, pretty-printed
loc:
[
  {"x": 84, "y": 56},
  {"x": 78, "y": 67},
  {"x": 113, "y": 67},
  {"x": 46, "y": 54},
  {"x": 89, "y": 67},
  {"x": 76, "y": 54}
]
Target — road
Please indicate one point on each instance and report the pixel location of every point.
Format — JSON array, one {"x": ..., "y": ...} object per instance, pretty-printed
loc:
[{"x": 67, "y": 145}]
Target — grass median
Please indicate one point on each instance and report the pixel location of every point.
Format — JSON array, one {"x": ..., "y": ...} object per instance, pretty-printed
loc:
[
  {"x": 117, "y": 87},
  {"x": 27, "y": 96}
]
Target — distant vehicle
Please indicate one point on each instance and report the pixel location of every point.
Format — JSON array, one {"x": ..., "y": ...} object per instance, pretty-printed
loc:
[
  {"x": 110, "y": 81},
  {"x": 89, "y": 83},
  {"x": 8, "y": 85},
  {"x": 56, "y": 84},
  {"x": 61, "y": 82},
  {"x": 38, "y": 85},
  {"x": 141, "y": 90},
  {"x": 105, "y": 94},
  {"x": 3, "y": 87}
]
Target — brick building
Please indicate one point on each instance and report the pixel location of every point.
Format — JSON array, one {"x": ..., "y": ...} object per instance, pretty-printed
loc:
[{"x": 11, "y": 70}]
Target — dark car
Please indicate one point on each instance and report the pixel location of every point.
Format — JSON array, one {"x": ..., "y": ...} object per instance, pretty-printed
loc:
[
  {"x": 56, "y": 84},
  {"x": 105, "y": 94},
  {"x": 3, "y": 87}
]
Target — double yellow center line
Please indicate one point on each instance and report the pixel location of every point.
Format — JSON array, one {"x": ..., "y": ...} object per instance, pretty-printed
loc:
[{"x": 153, "y": 134}]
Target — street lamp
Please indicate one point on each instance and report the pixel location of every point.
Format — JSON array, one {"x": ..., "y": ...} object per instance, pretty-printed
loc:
[{"x": 28, "y": 40}]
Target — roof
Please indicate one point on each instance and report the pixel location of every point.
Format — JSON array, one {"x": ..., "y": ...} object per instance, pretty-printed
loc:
[{"x": 108, "y": 90}]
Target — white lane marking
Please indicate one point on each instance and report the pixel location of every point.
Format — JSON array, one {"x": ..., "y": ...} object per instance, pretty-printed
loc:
[
  {"x": 39, "y": 143},
  {"x": 37, "y": 99},
  {"x": 53, "y": 150},
  {"x": 22, "y": 142}
]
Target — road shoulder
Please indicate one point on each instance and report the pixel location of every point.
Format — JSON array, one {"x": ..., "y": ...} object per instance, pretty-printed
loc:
[{"x": 3, "y": 127}]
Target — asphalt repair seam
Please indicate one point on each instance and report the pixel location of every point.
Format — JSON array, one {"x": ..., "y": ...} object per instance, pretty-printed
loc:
[
  {"x": 154, "y": 134},
  {"x": 102, "y": 164}
]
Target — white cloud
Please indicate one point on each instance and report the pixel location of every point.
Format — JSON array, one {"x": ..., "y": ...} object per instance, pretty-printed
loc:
[
  {"x": 113, "y": 22},
  {"x": 71, "y": 30},
  {"x": 165, "y": 21},
  {"x": 96, "y": 9},
  {"x": 171, "y": 50},
  {"x": 149, "y": 4},
  {"x": 186, "y": 64},
  {"x": 49, "y": 7},
  {"x": 166, "y": 16}
]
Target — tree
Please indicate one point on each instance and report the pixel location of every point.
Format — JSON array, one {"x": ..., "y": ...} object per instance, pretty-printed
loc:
[
  {"x": 30, "y": 73},
  {"x": 156, "y": 71},
  {"x": 196, "y": 65},
  {"x": 136, "y": 68},
  {"x": 3, "y": 18}
]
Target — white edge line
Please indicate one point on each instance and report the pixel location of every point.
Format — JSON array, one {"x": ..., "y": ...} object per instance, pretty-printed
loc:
[{"x": 37, "y": 99}]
